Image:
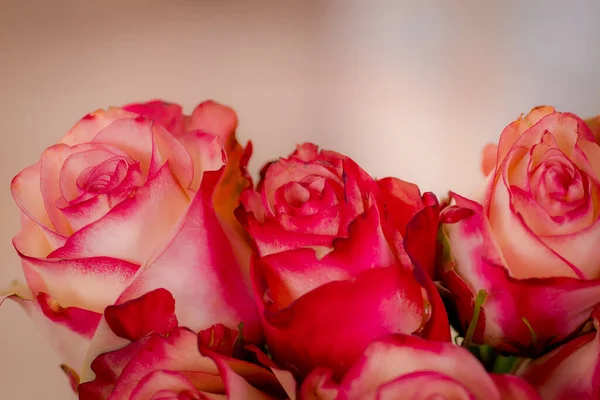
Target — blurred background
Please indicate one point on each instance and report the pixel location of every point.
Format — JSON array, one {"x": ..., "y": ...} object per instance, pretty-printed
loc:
[{"x": 411, "y": 89}]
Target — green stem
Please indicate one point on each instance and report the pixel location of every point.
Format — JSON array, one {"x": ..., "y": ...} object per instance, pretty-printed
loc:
[{"x": 479, "y": 300}]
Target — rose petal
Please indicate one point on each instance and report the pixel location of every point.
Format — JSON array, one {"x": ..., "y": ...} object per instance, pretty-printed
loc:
[
  {"x": 169, "y": 115},
  {"x": 511, "y": 310},
  {"x": 570, "y": 371},
  {"x": 153, "y": 312},
  {"x": 514, "y": 388},
  {"x": 199, "y": 254},
  {"x": 85, "y": 130},
  {"x": 377, "y": 302},
  {"x": 214, "y": 118},
  {"x": 150, "y": 215},
  {"x": 68, "y": 344},
  {"x": 401, "y": 355}
]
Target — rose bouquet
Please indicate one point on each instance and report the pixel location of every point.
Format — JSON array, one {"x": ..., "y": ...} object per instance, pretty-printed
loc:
[{"x": 158, "y": 269}]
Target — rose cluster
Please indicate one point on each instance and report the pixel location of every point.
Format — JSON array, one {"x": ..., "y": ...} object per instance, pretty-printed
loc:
[{"x": 157, "y": 268}]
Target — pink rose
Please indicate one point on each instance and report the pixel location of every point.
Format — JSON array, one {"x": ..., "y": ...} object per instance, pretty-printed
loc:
[
  {"x": 118, "y": 198},
  {"x": 342, "y": 259},
  {"x": 571, "y": 371},
  {"x": 528, "y": 238},
  {"x": 402, "y": 367},
  {"x": 158, "y": 359}
]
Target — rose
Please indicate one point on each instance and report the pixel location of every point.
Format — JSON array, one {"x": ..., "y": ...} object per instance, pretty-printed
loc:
[
  {"x": 528, "y": 238},
  {"x": 159, "y": 359},
  {"x": 117, "y": 192},
  {"x": 568, "y": 372},
  {"x": 342, "y": 259},
  {"x": 407, "y": 367}
]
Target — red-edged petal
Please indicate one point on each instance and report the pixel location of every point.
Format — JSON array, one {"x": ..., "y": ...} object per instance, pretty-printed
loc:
[
  {"x": 89, "y": 283},
  {"x": 571, "y": 371},
  {"x": 377, "y": 302},
  {"x": 88, "y": 126},
  {"x": 215, "y": 118},
  {"x": 199, "y": 269},
  {"x": 66, "y": 342},
  {"x": 169, "y": 115},
  {"x": 153, "y": 312},
  {"x": 135, "y": 228},
  {"x": 401, "y": 355},
  {"x": 473, "y": 262}
]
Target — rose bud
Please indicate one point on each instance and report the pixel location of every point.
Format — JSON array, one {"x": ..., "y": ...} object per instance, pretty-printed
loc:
[
  {"x": 404, "y": 367},
  {"x": 572, "y": 371},
  {"x": 520, "y": 256},
  {"x": 120, "y": 191},
  {"x": 342, "y": 259}
]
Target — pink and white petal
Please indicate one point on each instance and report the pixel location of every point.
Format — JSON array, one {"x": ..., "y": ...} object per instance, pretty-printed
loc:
[
  {"x": 166, "y": 148},
  {"x": 51, "y": 163},
  {"x": 513, "y": 132},
  {"x": 169, "y": 115},
  {"x": 25, "y": 188},
  {"x": 80, "y": 321},
  {"x": 67, "y": 343},
  {"x": 199, "y": 255},
  {"x": 136, "y": 227},
  {"x": 524, "y": 253},
  {"x": 579, "y": 249},
  {"x": 395, "y": 356},
  {"x": 161, "y": 380},
  {"x": 514, "y": 388},
  {"x": 270, "y": 238},
  {"x": 177, "y": 352},
  {"x": 289, "y": 170},
  {"x": 36, "y": 240},
  {"x": 89, "y": 283},
  {"x": 86, "y": 212},
  {"x": 85, "y": 130},
  {"x": 570, "y": 371},
  {"x": 489, "y": 156},
  {"x": 422, "y": 385},
  {"x": 215, "y": 118},
  {"x": 207, "y": 154},
  {"x": 377, "y": 302},
  {"x": 511, "y": 309},
  {"x": 107, "y": 369}
]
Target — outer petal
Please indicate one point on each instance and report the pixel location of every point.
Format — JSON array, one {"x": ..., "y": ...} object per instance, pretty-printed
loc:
[
  {"x": 169, "y": 115},
  {"x": 214, "y": 118},
  {"x": 198, "y": 267},
  {"x": 154, "y": 312},
  {"x": 472, "y": 262},
  {"x": 514, "y": 388},
  {"x": 85, "y": 130},
  {"x": 401, "y": 355},
  {"x": 571, "y": 371},
  {"x": 376, "y": 303},
  {"x": 60, "y": 328}
]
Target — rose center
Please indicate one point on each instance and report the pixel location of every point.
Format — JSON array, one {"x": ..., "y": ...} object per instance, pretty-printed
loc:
[
  {"x": 104, "y": 177},
  {"x": 295, "y": 194}
]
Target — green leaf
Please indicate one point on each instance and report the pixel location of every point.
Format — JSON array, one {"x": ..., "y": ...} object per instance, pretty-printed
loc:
[
  {"x": 504, "y": 364},
  {"x": 479, "y": 300}
]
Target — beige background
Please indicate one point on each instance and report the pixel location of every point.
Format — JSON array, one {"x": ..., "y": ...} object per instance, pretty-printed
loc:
[{"x": 407, "y": 90}]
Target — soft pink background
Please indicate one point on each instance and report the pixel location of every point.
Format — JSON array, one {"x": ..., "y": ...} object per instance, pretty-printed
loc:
[{"x": 406, "y": 89}]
